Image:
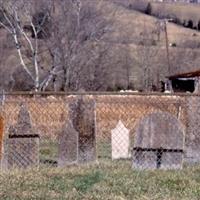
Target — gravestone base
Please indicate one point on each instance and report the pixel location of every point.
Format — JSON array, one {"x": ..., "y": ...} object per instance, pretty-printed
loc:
[
  {"x": 22, "y": 152},
  {"x": 155, "y": 159},
  {"x": 172, "y": 160},
  {"x": 144, "y": 160},
  {"x": 86, "y": 150},
  {"x": 192, "y": 156}
]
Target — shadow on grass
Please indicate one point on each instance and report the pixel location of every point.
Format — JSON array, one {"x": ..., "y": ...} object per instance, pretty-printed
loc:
[{"x": 84, "y": 183}]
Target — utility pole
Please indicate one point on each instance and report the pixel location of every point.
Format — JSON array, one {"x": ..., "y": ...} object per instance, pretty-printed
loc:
[
  {"x": 167, "y": 45},
  {"x": 168, "y": 84}
]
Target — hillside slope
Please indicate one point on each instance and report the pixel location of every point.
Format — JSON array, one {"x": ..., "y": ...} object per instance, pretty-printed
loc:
[{"x": 136, "y": 57}]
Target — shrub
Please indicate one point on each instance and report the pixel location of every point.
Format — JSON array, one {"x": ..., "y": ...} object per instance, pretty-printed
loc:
[{"x": 148, "y": 9}]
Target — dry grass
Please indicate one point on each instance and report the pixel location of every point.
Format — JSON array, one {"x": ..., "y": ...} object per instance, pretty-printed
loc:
[
  {"x": 131, "y": 109},
  {"x": 130, "y": 28},
  {"x": 49, "y": 115},
  {"x": 46, "y": 114},
  {"x": 180, "y": 10},
  {"x": 129, "y": 24}
]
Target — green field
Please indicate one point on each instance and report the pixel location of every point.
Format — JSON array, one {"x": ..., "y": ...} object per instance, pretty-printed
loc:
[{"x": 107, "y": 180}]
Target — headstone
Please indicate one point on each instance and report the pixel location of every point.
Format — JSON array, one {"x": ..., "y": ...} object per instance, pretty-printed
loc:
[
  {"x": 83, "y": 118},
  {"x": 23, "y": 142},
  {"x": 192, "y": 139},
  {"x": 24, "y": 125},
  {"x": 159, "y": 142},
  {"x": 68, "y": 146},
  {"x": 120, "y": 141},
  {"x": 23, "y": 151}
]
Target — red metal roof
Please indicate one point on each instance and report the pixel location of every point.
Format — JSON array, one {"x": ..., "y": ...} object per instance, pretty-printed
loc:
[{"x": 185, "y": 75}]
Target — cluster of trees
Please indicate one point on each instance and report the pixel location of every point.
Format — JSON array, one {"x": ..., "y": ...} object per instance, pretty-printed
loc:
[
  {"x": 67, "y": 33},
  {"x": 69, "y": 45},
  {"x": 184, "y": 18},
  {"x": 62, "y": 46}
]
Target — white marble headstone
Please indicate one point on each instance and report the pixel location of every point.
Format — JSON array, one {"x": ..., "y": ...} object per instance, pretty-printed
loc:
[{"x": 120, "y": 141}]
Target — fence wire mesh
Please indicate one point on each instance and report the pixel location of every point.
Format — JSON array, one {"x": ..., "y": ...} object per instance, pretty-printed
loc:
[{"x": 144, "y": 131}]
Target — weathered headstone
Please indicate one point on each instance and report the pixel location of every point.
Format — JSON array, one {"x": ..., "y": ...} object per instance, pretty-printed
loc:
[
  {"x": 192, "y": 140},
  {"x": 83, "y": 118},
  {"x": 158, "y": 142},
  {"x": 23, "y": 142},
  {"x": 120, "y": 141},
  {"x": 68, "y": 145},
  {"x": 23, "y": 151}
]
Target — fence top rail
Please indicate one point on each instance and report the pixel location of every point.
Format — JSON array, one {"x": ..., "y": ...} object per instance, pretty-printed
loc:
[{"x": 32, "y": 93}]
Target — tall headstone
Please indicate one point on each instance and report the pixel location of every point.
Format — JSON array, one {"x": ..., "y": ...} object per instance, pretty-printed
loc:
[
  {"x": 77, "y": 140},
  {"x": 83, "y": 118},
  {"x": 192, "y": 141},
  {"x": 120, "y": 141},
  {"x": 22, "y": 142},
  {"x": 159, "y": 142},
  {"x": 68, "y": 146}
]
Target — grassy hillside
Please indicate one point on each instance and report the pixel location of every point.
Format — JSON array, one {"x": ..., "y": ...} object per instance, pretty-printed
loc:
[
  {"x": 180, "y": 11},
  {"x": 110, "y": 181},
  {"x": 135, "y": 41},
  {"x": 139, "y": 33},
  {"x": 130, "y": 24}
]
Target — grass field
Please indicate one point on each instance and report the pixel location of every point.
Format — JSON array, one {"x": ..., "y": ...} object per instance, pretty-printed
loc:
[
  {"x": 115, "y": 181},
  {"x": 183, "y": 11}
]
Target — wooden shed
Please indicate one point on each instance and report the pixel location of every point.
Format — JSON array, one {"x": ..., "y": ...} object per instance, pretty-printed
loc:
[{"x": 184, "y": 82}]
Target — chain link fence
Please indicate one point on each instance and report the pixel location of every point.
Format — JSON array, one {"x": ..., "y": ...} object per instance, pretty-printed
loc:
[{"x": 145, "y": 131}]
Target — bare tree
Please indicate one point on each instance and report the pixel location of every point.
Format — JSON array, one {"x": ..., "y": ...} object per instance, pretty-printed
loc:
[
  {"x": 72, "y": 39},
  {"x": 146, "y": 53},
  {"x": 75, "y": 43},
  {"x": 13, "y": 22},
  {"x": 2, "y": 56}
]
